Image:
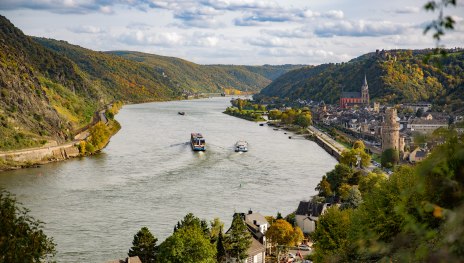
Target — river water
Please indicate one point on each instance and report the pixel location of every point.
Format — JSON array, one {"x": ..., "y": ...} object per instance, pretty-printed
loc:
[{"x": 148, "y": 176}]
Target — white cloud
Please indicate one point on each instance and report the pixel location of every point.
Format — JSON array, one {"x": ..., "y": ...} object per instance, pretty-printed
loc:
[
  {"x": 336, "y": 14},
  {"x": 301, "y": 32},
  {"x": 407, "y": 10},
  {"x": 359, "y": 28},
  {"x": 142, "y": 38},
  {"x": 87, "y": 29},
  {"x": 270, "y": 42}
]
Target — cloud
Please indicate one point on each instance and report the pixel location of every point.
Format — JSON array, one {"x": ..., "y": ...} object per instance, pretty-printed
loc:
[
  {"x": 305, "y": 56},
  {"x": 280, "y": 15},
  {"x": 169, "y": 39},
  {"x": 236, "y": 5},
  {"x": 334, "y": 14},
  {"x": 86, "y": 29},
  {"x": 407, "y": 10},
  {"x": 142, "y": 38},
  {"x": 302, "y": 32},
  {"x": 265, "y": 16},
  {"x": 204, "y": 17},
  {"x": 139, "y": 26},
  {"x": 359, "y": 28},
  {"x": 201, "y": 39},
  {"x": 66, "y": 6},
  {"x": 270, "y": 42}
]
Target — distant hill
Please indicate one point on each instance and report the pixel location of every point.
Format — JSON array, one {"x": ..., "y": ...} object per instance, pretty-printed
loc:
[
  {"x": 50, "y": 89},
  {"x": 210, "y": 78},
  {"x": 393, "y": 76}
]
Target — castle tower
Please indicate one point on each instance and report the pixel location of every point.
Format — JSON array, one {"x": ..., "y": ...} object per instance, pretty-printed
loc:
[
  {"x": 365, "y": 92},
  {"x": 391, "y": 131}
]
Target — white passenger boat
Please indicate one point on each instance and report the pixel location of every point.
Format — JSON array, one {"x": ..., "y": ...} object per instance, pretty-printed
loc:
[{"x": 241, "y": 146}]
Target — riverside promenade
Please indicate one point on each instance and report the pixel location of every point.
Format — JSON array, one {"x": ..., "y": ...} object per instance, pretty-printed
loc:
[{"x": 333, "y": 147}]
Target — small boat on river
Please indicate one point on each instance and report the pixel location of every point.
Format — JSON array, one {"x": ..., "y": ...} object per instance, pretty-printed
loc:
[
  {"x": 197, "y": 142},
  {"x": 181, "y": 113},
  {"x": 241, "y": 146}
]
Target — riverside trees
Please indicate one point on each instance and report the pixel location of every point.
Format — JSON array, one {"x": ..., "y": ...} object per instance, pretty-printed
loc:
[
  {"x": 144, "y": 246},
  {"x": 194, "y": 241}
]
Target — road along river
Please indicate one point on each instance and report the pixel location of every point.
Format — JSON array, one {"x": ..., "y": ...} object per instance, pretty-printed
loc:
[{"x": 148, "y": 176}]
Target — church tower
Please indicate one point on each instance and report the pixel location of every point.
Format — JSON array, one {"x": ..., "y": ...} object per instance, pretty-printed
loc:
[{"x": 365, "y": 92}]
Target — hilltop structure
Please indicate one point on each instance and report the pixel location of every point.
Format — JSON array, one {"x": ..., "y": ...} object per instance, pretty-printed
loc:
[{"x": 349, "y": 99}]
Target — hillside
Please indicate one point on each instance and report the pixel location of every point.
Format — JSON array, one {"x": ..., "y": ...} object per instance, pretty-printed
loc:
[
  {"x": 393, "y": 76},
  {"x": 208, "y": 78},
  {"x": 43, "y": 96}
]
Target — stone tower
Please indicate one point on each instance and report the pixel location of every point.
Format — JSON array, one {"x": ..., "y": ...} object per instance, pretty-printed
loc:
[
  {"x": 365, "y": 92},
  {"x": 391, "y": 131}
]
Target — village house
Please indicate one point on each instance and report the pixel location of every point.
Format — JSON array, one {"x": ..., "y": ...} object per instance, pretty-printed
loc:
[
  {"x": 308, "y": 213},
  {"x": 257, "y": 225}
]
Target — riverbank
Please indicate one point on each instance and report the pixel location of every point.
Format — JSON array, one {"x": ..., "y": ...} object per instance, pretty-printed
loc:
[{"x": 34, "y": 157}]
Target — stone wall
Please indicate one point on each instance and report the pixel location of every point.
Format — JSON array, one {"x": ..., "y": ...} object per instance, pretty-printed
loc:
[{"x": 42, "y": 155}]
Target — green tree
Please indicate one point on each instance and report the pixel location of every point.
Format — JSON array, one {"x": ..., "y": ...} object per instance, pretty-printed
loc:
[
  {"x": 221, "y": 251},
  {"x": 21, "y": 236},
  {"x": 303, "y": 119},
  {"x": 350, "y": 157},
  {"x": 341, "y": 174},
  {"x": 324, "y": 187},
  {"x": 191, "y": 220},
  {"x": 354, "y": 198},
  {"x": 344, "y": 191},
  {"x": 389, "y": 158},
  {"x": 187, "y": 244},
  {"x": 331, "y": 235},
  {"x": 288, "y": 117},
  {"x": 216, "y": 228},
  {"x": 377, "y": 223},
  {"x": 275, "y": 115},
  {"x": 371, "y": 181},
  {"x": 238, "y": 239},
  {"x": 144, "y": 246}
]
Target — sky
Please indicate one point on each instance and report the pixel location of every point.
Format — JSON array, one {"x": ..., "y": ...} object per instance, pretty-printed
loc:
[{"x": 243, "y": 32}]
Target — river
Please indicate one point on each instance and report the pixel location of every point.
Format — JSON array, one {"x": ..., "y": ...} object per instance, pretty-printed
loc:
[{"x": 148, "y": 176}]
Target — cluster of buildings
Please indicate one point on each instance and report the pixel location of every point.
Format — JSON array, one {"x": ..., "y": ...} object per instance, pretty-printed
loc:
[{"x": 381, "y": 126}]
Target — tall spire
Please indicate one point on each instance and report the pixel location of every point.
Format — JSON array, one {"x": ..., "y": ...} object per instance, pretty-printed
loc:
[{"x": 365, "y": 80}]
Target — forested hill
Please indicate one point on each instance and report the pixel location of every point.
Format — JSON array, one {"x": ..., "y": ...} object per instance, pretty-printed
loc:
[
  {"x": 393, "y": 76},
  {"x": 212, "y": 78}
]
